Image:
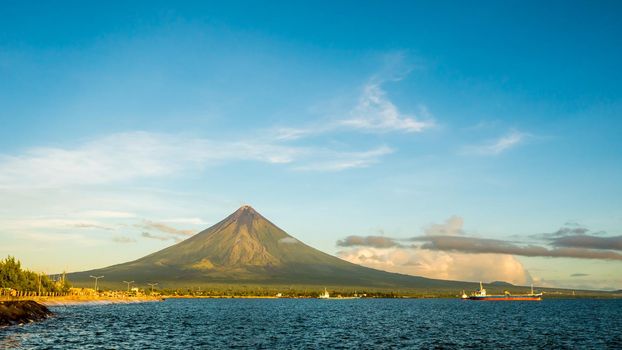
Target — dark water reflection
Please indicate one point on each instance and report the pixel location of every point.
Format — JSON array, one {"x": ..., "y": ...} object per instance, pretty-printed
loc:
[{"x": 323, "y": 324}]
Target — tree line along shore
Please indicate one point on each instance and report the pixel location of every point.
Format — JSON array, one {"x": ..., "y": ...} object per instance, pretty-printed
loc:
[{"x": 17, "y": 283}]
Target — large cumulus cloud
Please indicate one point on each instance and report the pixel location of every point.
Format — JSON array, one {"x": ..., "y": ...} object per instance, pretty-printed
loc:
[
  {"x": 446, "y": 251},
  {"x": 443, "y": 265}
]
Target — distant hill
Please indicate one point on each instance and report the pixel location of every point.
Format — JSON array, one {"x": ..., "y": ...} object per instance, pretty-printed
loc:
[
  {"x": 247, "y": 249},
  {"x": 501, "y": 284}
]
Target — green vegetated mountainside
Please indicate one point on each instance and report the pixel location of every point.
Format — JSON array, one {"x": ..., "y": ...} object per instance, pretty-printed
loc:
[{"x": 247, "y": 249}]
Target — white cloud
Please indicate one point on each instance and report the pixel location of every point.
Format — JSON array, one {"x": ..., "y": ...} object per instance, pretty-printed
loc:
[
  {"x": 288, "y": 240},
  {"x": 161, "y": 237},
  {"x": 376, "y": 113},
  {"x": 189, "y": 221},
  {"x": 288, "y": 133},
  {"x": 123, "y": 239},
  {"x": 442, "y": 265},
  {"x": 108, "y": 159},
  {"x": 412, "y": 260},
  {"x": 105, "y": 214},
  {"x": 158, "y": 226},
  {"x": 452, "y": 227},
  {"x": 347, "y": 160},
  {"x": 498, "y": 146},
  {"x": 133, "y": 155},
  {"x": 39, "y": 237},
  {"x": 128, "y": 156},
  {"x": 35, "y": 223},
  {"x": 84, "y": 212},
  {"x": 152, "y": 236},
  {"x": 56, "y": 237}
]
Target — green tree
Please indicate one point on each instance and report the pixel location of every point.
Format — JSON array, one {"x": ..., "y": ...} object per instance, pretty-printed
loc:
[{"x": 13, "y": 276}]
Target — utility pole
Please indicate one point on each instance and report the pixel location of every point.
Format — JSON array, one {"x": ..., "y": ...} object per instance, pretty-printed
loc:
[
  {"x": 96, "y": 278},
  {"x": 128, "y": 285},
  {"x": 152, "y": 285}
]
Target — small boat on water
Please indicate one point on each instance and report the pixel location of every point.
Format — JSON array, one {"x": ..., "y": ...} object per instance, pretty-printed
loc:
[
  {"x": 482, "y": 295},
  {"x": 324, "y": 295}
]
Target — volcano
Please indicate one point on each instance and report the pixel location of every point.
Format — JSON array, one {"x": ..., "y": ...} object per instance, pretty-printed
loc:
[{"x": 246, "y": 248}]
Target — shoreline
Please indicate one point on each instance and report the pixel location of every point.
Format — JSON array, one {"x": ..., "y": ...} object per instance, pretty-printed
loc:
[
  {"x": 103, "y": 300},
  {"x": 81, "y": 300},
  {"x": 17, "y": 312}
]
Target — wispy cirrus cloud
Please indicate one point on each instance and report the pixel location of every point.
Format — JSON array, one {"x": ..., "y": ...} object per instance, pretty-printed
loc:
[
  {"x": 128, "y": 156},
  {"x": 35, "y": 223},
  {"x": 137, "y": 155},
  {"x": 497, "y": 146},
  {"x": 132, "y": 155},
  {"x": 105, "y": 214},
  {"x": 368, "y": 241},
  {"x": 93, "y": 226},
  {"x": 190, "y": 221},
  {"x": 164, "y": 228},
  {"x": 123, "y": 239},
  {"x": 295, "y": 133},
  {"x": 64, "y": 238},
  {"x": 347, "y": 160},
  {"x": 149, "y": 235},
  {"x": 373, "y": 112}
]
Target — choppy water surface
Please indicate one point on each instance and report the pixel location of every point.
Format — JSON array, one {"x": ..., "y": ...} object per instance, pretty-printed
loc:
[{"x": 321, "y": 324}]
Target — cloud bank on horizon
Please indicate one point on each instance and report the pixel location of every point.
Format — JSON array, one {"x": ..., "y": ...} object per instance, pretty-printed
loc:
[{"x": 446, "y": 250}]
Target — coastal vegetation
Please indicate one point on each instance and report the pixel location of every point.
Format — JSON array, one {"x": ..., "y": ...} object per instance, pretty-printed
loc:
[
  {"x": 211, "y": 290},
  {"x": 17, "y": 281}
]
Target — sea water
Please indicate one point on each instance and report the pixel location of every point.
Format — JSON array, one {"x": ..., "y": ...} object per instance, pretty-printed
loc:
[{"x": 325, "y": 324}]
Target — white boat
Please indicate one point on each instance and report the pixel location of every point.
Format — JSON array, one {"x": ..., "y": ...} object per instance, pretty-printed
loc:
[
  {"x": 324, "y": 295},
  {"x": 482, "y": 295}
]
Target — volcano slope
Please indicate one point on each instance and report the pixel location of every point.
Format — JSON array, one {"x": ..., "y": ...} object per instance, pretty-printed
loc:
[{"x": 247, "y": 249}]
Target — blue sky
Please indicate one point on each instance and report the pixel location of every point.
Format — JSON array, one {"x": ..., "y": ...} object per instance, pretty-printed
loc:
[{"x": 126, "y": 127}]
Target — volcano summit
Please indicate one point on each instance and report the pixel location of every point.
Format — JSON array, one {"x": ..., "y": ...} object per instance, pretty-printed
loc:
[{"x": 246, "y": 248}]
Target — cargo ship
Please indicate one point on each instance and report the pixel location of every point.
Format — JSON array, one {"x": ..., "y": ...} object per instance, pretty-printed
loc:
[{"x": 481, "y": 295}]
